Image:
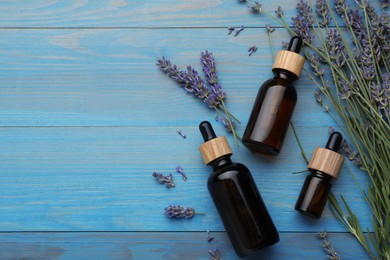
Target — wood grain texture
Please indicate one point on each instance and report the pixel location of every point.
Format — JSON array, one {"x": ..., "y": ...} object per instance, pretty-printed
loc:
[
  {"x": 109, "y": 77},
  {"x": 86, "y": 117},
  {"x": 100, "y": 178},
  {"x": 163, "y": 245}
]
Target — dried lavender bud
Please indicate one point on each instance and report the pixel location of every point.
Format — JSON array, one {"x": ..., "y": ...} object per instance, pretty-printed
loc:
[
  {"x": 315, "y": 64},
  {"x": 269, "y": 28},
  {"x": 252, "y": 50},
  {"x": 385, "y": 3},
  {"x": 181, "y": 133},
  {"x": 330, "y": 130},
  {"x": 318, "y": 97},
  {"x": 331, "y": 253},
  {"x": 214, "y": 254},
  {"x": 350, "y": 153},
  {"x": 345, "y": 91},
  {"x": 209, "y": 238},
  {"x": 180, "y": 170},
  {"x": 335, "y": 48},
  {"x": 323, "y": 12},
  {"x": 256, "y": 7},
  {"x": 279, "y": 11},
  {"x": 164, "y": 179},
  {"x": 215, "y": 95},
  {"x": 176, "y": 211},
  {"x": 303, "y": 21},
  {"x": 226, "y": 124},
  {"x": 239, "y": 30},
  {"x": 230, "y": 30}
]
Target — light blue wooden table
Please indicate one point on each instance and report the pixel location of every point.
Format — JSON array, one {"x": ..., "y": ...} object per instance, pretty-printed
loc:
[{"x": 86, "y": 117}]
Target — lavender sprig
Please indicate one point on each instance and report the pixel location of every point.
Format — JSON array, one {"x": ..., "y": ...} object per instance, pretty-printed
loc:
[
  {"x": 214, "y": 254},
  {"x": 327, "y": 246},
  {"x": 192, "y": 83},
  {"x": 164, "y": 179},
  {"x": 180, "y": 170},
  {"x": 177, "y": 211},
  {"x": 209, "y": 238}
]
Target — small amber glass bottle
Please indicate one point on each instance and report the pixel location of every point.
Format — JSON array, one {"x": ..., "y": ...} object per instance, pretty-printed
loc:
[
  {"x": 236, "y": 197},
  {"x": 271, "y": 113},
  {"x": 325, "y": 164}
]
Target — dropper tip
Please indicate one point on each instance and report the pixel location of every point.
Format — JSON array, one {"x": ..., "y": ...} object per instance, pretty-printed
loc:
[
  {"x": 207, "y": 131},
  {"x": 295, "y": 44}
]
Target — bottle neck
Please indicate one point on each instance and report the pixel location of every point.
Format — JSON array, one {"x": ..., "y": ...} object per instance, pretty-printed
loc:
[
  {"x": 321, "y": 175},
  {"x": 221, "y": 162},
  {"x": 284, "y": 74}
]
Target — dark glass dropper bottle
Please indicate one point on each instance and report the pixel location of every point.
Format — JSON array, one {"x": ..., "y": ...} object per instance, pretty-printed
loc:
[
  {"x": 271, "y": 113},
  {"x": 325, "y": 164},
  {"x": 236, "y": 197}
]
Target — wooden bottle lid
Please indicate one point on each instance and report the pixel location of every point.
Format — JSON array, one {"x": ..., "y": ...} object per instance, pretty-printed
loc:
[
  {"x": 214, "y": 149},
  {"x": 289, "y": 60},
  {"x": 326, "y": 161}
]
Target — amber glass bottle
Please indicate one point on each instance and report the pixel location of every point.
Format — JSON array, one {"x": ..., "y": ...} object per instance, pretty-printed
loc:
[
  {"x": 236, "y": 197},
  {"x": 271, "y": 114},
  {"x": 325, "y": 164}
]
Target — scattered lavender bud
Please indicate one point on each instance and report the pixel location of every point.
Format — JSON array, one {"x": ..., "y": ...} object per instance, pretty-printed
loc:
[
  {"x": 164, "y": 179},
  {"x": 230, "y": 30},
  {"x": 269, "y": 28},
  {"x": 331, "y": 253},
  {"x": 209, "y": 238},
  {"x": 216, "y": 118},
  {"x": 318, "y": 97},
  {"x": 181, "y": 133},
  {"x": 331, "y": 130},
  {"x": 327, "y": 109},
  {"x": 252, "y": 50},
  {"x": 214, "y": 254},
  {"x": 226, "y": 124},
  {"x": 256, "y": 7},
  {"x": 239, "y": 30},
  {"x": 176, "y": 211},
  {"x": 279, "y": 11},
  {"x": 179, "y": 169}
]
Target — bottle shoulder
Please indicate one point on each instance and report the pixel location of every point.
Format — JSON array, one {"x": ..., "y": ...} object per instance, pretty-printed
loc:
[{"x": 229, "y": 171}]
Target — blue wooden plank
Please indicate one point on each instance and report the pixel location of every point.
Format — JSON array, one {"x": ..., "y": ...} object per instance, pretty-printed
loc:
[
  {"x": 109, "y": 78},
  {"x": 119, "y": 13},
  {"x": 97, "y": 13},
  {"x": 100, "y": 178},
  {"x": 164, "y": 245}
]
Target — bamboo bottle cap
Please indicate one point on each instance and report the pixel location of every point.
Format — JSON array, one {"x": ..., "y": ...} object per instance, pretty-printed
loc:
[
  {"x": 289, "y": 61},
  {"x": 326, "y": 161},
  {"x": 214, "y": 149}
]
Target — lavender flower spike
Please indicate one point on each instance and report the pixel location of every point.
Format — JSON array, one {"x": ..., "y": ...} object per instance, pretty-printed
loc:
[
  {"x": 176, "y": 211},
  {"x": 216, "y": 95},
  {"x": 162, "y": 179}
]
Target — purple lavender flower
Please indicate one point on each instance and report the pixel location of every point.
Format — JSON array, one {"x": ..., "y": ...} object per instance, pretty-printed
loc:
[
  {"x": 176, "y": 211},
  {"x": 164, "y": 179},
  {"x": 279, "y": 11},
  {"x": 214, "y": 254},
  {"x": 239, "y": 30},
  {"x": 315, "y": 64},
  {"x": 385, "y": 3},
  {"x": 269, "y": 28},
  {"x": 335, "y": 47},
  {"x": 318, "y": 97},
  {"x": 215, "y": 95},
  {"x": 323, "y": 12},
  {"x": 345, "y": 90},
  {"x": 303, "y": 21},
  {"x": 256, "y": 7},
  {"x": 226, "y": 124},
  {"x": 252, "y": 50},
  {"x": 209, "y": 238},
  {"x": 230, "y": 30},
  {"x": 351, "y": 154},
  {"x": 180, "y": 170}
]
